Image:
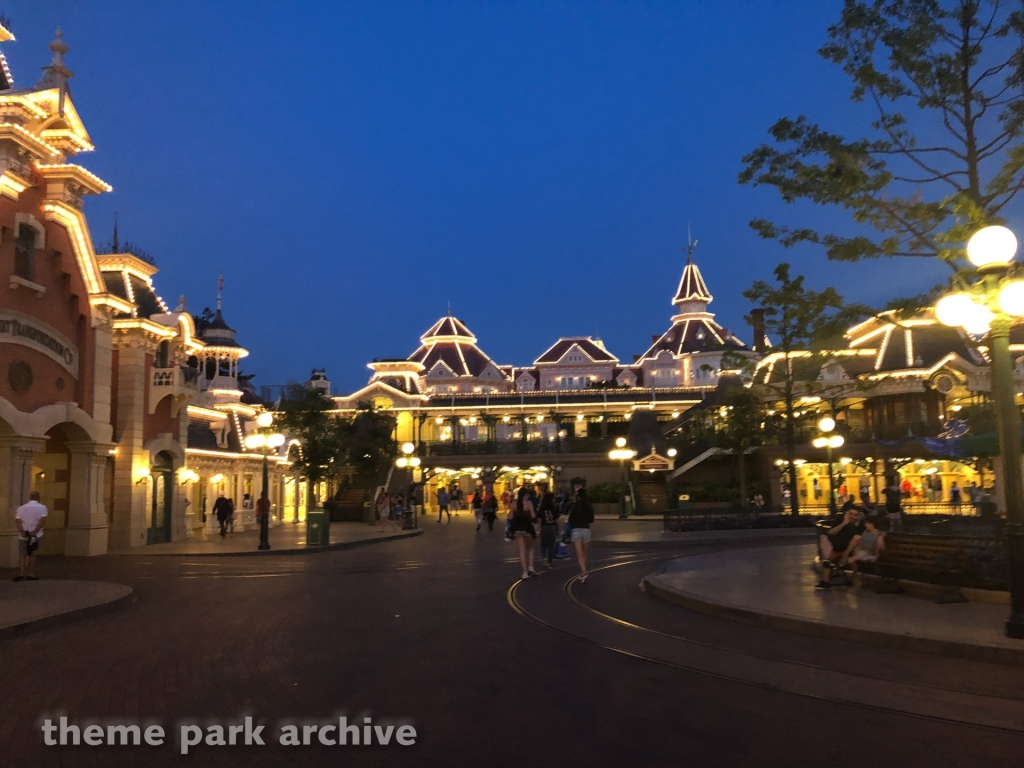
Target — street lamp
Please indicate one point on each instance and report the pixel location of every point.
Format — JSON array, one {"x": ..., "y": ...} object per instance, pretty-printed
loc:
[
  {"x": 264, "y": 439},
  {"x": 828, "y": 442},
  {"x": 988, "y": 306},
  {"x": 403, "y": 461},
  {"x": 621, "y": 454}
]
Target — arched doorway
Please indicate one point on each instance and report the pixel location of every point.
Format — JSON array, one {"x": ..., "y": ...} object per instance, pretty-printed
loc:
[{"x": 162, "y": 499}]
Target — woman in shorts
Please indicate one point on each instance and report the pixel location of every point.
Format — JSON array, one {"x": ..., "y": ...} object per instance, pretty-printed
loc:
[
  {"x": 581, "y": 515},
  {"x": 523, "y": 514}
]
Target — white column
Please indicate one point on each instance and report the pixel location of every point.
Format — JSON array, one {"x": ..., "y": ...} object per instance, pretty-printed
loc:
[
  {"x": 131, "y": 498},
  {"x": 87, "y": 530}
]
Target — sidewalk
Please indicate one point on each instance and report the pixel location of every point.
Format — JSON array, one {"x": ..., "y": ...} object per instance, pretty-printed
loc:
[
  {"x": 774, "y": 586},
  {"x": 648, "y": 537},
  {"x": 45, "y": 603},
  {"x": 286, "y": 538}
]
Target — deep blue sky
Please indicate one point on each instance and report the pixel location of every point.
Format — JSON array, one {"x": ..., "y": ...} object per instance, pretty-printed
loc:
[{"x": 353, "y": 167}]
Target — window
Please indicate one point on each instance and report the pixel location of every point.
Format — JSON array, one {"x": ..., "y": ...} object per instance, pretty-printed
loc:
[{"x": 25, "y": 253}]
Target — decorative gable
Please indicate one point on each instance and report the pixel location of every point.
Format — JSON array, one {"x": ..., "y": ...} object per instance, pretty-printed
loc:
[{"x": 441, "y": 370}]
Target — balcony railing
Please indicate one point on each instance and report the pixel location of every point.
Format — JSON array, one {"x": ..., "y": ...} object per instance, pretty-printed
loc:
[
  {"x": 518, "y": 447},
  {"x": 179, "y": 382}
]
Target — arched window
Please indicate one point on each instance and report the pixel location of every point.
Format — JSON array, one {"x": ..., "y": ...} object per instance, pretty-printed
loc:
[{"x": 25, "y": 253}]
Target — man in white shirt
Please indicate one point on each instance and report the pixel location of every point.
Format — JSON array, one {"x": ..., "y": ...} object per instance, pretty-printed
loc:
[{"x": 31, "y": 519}]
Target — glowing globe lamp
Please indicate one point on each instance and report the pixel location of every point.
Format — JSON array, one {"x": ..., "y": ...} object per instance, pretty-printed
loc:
[{"x": 991, "y": 246}]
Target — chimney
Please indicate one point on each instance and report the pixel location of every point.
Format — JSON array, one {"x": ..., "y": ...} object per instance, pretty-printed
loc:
[{"x": 757, "y": 323}]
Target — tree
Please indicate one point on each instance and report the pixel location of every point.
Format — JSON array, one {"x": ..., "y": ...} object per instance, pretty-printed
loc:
[
  {"x": 804, "y": 325},
  {"x": 368, "y": 443},
  {"x": 203, "y": 320},
  {"x": 944, "y": 157},
  {"x": 319, "y": 454},
  {"x": 742, "y": 427}
]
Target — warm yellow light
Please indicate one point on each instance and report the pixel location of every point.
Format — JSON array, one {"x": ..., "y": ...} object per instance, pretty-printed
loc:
[
  {"x": 463, "y": 422},
  {"x": 1011, "y": 298},
  {"x": 217, "y": 478},
  {"x": 506, "y": 419},
  {"x": 265, "y": 420},
  {"x": 978, "y": 320},
  {"x": 827, "y": 424},
  {"x": 255, "y": 441},
  {"x": 991, "y": 245},
  {"x": 579, "y": 417},
  {"x": 408, "y": 448},
  {"x": 620, "y": 442},
  {"x": 952, "y": 308},
  {"x": 414, "y": 461},
  {"x": 836, "y": 441},
  {"x": 275, "y": 440},
  {"x": 819, "y": 442},
  {"x": 621, "y": 454},
  {"x": 401, "y": 462},
  {"x": 672, "y": 452},
  {"x": 845, "y": 460},
  {"x": 675, "y": 414},
  {"x": 439, "y": 420}
]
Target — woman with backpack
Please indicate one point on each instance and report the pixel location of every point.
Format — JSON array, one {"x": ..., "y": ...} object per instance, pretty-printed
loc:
[
  {"x": 523, "y": 515},
  {"x": 581, "y": 515}
]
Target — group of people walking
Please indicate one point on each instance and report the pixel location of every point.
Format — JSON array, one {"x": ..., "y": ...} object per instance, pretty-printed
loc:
[{"x": 535, "y": 514}]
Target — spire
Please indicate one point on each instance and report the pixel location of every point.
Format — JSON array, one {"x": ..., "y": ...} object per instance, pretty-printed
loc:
[
  {"x": 115, "y": 245},
  {"x": 56, "y": 75},
  {"x": 181, "y": 304},
  {"x": 693, "y": 294},
  {"x": 220, "y": 289}
]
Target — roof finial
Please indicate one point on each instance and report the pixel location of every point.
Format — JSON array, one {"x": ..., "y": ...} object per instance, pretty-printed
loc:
[
  {"x": 220, "y": 288},
  {"x": 115, "y": 245},
  {"x": 691, "y": 245},
  {"x": 56, "y": 75},
  {"x": 449, "y": 308},
  {"x": 181, "y": 304}
]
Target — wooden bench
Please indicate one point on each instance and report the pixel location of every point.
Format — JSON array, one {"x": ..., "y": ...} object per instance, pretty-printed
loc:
[{"x": 933, "y": 559}]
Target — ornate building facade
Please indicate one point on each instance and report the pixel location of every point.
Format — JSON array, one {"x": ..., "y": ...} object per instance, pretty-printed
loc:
[
  {"x": 562, "y": 412},
  {"x": 103, "y": 389}
]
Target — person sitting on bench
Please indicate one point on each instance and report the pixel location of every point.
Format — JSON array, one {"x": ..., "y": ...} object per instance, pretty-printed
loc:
[
  {"x": 869, "y": 544},
  {"x": 837, "y": 544}
]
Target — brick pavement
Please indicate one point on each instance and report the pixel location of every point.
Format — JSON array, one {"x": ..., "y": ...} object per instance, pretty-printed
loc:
[{"x": 416, "y": 629}]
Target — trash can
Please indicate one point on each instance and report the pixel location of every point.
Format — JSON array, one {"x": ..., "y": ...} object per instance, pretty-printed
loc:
[
  {"x": 368, "y": 513},
  {"x": 684, "y": 505},
  {"x": 318, "y": 528}
]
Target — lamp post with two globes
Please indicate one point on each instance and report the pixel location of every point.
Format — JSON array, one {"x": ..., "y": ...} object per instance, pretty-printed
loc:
[
  {"x": 986, "y": 307},
  {"x": 622, "y": 454},
  {"x": 402, "y": 462},
  {"x": 264, "y": 439},
  {"x": 829, "y": 441}
]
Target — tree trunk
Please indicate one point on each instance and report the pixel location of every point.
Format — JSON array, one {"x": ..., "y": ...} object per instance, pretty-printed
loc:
[
  {"x": 743, "y": 477},
  {"x": 794, "y": 495},
  {"x": 310, "y": 495}
]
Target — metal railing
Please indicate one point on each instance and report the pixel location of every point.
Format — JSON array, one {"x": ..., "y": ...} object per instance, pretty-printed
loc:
[{"x": 517, "y": 447}]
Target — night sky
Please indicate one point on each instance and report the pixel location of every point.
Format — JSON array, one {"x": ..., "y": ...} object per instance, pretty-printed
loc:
[{"x": 354, "y": 167}]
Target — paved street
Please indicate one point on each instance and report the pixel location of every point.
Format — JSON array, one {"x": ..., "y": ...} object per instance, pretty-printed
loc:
[{"x": 425, "y": 630}]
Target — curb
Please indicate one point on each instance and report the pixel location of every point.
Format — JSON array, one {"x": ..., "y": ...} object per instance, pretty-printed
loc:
[
  {"x": 59, "y": 619},
  {"x": 946, "y": 648},
  {"x": 271, "y": 552},
  {"x": 716, "y": 537}
]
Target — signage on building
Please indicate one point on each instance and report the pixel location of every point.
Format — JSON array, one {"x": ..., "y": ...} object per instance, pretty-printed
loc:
[
  {"x": 17, "y": 328},
  {"x": 653, "y": 463}
]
